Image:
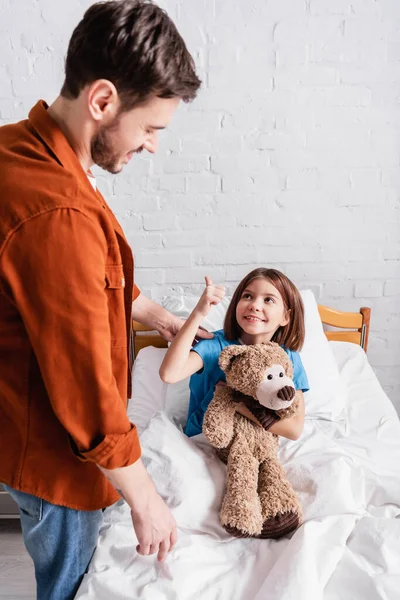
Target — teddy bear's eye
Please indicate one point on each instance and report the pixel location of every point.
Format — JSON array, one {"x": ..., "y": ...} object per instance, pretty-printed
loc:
[
  {"x": 281, "y": 374},
  {"x": 269, "y": 377}
]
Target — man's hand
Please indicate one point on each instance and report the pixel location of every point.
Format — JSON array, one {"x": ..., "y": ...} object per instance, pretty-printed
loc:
[
  {"x": 155, "y": 527},
  {"x": 154, "y": 524},
  {"x": 175, "y": 324}
]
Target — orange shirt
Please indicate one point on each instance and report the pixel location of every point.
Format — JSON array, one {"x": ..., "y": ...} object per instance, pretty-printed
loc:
[{"x": 66, "y": 291}]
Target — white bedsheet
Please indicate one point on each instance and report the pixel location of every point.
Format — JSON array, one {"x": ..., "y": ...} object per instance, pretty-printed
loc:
[{"x": 347, "y": 475}]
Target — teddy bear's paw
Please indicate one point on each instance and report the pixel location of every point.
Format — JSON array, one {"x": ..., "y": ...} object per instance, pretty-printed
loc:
[
  {"x": 280, "y": 525},
  {"x": 235, "y": 532},
  {"x": 277, "y": 496},
  {"x": 244, "y": 516}
]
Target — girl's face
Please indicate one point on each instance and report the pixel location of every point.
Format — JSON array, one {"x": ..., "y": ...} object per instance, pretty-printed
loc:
[{"x": 260, "y": 312}]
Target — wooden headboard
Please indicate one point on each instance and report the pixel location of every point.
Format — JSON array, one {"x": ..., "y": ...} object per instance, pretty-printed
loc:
[{"x": 349, "y": 327}]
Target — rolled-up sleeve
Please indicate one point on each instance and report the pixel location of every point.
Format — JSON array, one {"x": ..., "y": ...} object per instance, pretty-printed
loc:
[
  {"x": 54, "y": 268},
  {"x": 136, "y": 291}
]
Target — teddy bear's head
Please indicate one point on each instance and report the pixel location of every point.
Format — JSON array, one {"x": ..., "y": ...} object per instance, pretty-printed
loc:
[{"x": 260, "y": 371}]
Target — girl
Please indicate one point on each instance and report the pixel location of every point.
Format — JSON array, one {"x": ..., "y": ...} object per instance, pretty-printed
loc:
[{"x": 266, "y": 306}]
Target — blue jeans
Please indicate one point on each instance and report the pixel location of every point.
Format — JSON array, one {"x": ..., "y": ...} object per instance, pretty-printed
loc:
[{"x": 61, "y": 541}]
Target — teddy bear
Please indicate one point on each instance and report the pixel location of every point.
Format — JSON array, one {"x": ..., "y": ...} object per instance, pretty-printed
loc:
[{"x": 258, "y": 499}]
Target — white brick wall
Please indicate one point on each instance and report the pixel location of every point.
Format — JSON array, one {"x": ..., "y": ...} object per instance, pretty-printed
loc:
[{"x": 289, "y": 157}]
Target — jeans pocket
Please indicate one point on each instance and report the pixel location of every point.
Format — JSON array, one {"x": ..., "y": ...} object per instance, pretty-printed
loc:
[{"x": 29, "y": 506}]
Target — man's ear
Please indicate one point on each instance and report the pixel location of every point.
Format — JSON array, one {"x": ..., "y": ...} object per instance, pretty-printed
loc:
[
  {"x": 103, "y": 101},
  {"x": 229, "y": 354}
]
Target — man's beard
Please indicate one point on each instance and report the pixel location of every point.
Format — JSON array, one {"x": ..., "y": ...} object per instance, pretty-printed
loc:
[{"x": 102, "y": 151}]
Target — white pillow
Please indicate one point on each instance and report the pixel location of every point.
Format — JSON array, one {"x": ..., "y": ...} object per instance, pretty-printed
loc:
[
  {"x": 326, "y": 398},
  {"x": 148, "y": 391},
  {"x": 151, "y": 395}
]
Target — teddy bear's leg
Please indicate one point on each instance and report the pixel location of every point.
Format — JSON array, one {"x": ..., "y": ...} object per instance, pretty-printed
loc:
[
  {"x": 241, "y": 509},
  {"x": 281, "y": 509}
]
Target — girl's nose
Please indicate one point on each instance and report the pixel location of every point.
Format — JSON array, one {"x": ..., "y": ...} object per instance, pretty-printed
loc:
[{"x": 255, "y": 305}]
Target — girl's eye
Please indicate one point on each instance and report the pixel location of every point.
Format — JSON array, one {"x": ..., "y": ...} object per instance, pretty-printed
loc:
[
  {"x": 246, "y": 296},
  {"x": 268, "y": 300}
]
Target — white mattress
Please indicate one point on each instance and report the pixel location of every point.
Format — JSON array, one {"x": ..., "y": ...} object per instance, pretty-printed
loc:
[{"x": 346, "y": 473}]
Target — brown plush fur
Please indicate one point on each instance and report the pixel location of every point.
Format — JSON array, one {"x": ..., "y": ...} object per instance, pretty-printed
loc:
[{"x": 258, "y": 501}]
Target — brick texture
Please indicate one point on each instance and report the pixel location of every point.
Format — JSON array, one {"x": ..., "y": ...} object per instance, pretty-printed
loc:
[{"x": 289, "y": 157}]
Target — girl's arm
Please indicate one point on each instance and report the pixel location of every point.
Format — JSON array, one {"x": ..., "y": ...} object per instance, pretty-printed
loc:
[
  {"x": 290, "y": 428},
  {"x": 179, "y": 362}
]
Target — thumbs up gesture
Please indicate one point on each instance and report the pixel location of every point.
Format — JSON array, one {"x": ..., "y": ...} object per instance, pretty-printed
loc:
[{"x": 211, "y": 296}]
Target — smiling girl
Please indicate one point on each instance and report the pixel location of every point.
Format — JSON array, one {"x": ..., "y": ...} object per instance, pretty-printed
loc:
[{"x": 266, "y": 306}]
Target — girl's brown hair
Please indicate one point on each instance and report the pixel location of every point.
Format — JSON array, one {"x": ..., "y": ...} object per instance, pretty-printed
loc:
[{"x": 291, "y": 336}]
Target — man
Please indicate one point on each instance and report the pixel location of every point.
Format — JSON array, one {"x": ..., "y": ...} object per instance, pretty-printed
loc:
[{"x": 66, "y": 289}]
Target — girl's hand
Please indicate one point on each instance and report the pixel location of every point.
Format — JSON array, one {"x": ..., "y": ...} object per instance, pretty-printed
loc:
[{"x": 211, "y": 296}]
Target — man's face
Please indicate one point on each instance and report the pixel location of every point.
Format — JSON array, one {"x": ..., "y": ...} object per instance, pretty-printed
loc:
[{"x": 132, "y": 131}]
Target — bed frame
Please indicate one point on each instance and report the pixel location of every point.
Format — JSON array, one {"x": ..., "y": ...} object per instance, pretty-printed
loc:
[{"x": 348, "y": 327}]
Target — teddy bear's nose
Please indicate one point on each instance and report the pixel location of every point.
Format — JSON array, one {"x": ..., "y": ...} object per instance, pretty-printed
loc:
[{"x": 287, "y": 393}]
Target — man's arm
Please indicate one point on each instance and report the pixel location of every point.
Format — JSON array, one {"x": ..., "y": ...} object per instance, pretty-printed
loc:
[{"x": 151, "y": 314}]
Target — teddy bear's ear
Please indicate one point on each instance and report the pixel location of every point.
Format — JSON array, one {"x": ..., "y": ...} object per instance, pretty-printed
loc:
[{"x": 228, "y": 355}]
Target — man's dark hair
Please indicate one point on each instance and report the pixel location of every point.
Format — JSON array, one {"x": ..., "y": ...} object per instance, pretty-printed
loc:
[{"x": 135, "y": 45}]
